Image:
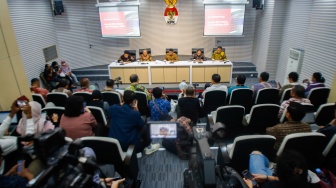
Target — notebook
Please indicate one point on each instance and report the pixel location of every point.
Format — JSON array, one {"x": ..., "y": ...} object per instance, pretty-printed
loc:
[{"x": 163, "y": 129}]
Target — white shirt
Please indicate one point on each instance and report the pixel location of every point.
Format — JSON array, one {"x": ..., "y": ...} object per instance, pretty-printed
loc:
[{"x": 215, "y": 87}]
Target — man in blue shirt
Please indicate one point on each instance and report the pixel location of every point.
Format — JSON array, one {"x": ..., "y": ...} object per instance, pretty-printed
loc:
[
  {"x": 240, "y": 81},
  {"x": 159, "y": 105},
  {"x": 128, "y": 127}
]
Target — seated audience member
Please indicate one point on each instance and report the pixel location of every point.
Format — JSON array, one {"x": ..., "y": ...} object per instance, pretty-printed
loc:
[
  {"x": 291, "y": 170},
  {"x": 171, "y": 56},
  {"x": 128, "y": 127},
  {"x": 219, "y": 54},
  {"x": 77, "y": 121},
  {"x": 317, "y": 80},
  {"x": 50, "y": 76},
  {"x": 189, "y": 106},
  {"x": 294, "y": 115},
  {"x": 145, "y": 56},
  {"x": 126, "y": 57},
  {"x": 110, "y": 87},
  {"x": 183, "y": 86},
  {"x": 85, "y": 85},
  {"x": 65, "y": 69},
  {"x": 297, "y": 95},
  {"x": 215, "y": 85},
  {"x": 97, "y": 100},
  {"x": 330, "y": 129},
  {"x": 263, "y": 78},
  {"x": 240, "y": 81},
  {"x": 198, "y": 56},
  {"x": 159, "y": 105},
  {"x": 293, "y": 78},
  {"x": 135, "y": 86},
  {"x": 36, "y": 88},
  {"x": 62, "y": 87}
]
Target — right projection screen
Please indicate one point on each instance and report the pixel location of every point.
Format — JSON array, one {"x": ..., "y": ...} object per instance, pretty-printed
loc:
[{"x": 224, "y": 20}]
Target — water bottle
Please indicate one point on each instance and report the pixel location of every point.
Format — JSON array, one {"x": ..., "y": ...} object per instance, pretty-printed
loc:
[{"x": 322, "y": 176}]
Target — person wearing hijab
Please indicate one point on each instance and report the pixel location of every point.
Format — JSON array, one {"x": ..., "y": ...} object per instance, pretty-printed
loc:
[
  {"x": 65, "y": 69},
  {"x": 97, "y": 100}
]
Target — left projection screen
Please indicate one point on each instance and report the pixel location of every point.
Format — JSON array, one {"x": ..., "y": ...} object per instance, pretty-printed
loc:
[{"x": 121, "y": 21}]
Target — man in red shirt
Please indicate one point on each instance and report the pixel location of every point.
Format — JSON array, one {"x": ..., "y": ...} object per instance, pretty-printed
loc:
[{"x": 36, "y": 88}]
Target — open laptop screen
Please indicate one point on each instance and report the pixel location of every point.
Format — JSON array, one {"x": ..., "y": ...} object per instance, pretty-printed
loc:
[
  {"x": 3, "y": 116},
  {"x": 163, "y": 129}
]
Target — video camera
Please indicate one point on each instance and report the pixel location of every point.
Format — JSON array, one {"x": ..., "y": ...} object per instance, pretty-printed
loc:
[
  {"x": 65, "y": 165},
  {"x": 117, "y": 81}
]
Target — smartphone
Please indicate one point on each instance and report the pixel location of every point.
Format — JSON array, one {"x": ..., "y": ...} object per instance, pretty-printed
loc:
[
  {"x": 247, "y": 175},
  {"x": 19, "y": 168},
  {"x": 21, "y": 103},
  {"x": 117, "y": 178}
]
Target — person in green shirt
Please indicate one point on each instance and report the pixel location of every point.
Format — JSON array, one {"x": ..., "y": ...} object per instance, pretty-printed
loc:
[
  {"x": 219, "y": 54},
  {"x": 135, "y": 86}
]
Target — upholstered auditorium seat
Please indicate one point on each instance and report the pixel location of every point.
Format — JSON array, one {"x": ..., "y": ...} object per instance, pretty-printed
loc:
[
  {"x": 86, "y": 95},
  {"x": 59, "y": 99},
  {"x": 99, "y": 115},
  {"x": 261, "y": 117},
  {"x": 318, "y": 96},
  {"x": 39, "y": 98},
  {"x": 194, "y": 50},
  {"x": 175, "y": 50},
  {"x": 325, "y": 114},
  {"x": 111, "y": 97},
  {"x": 285, "y": 95},
  {"x": 243, "y": 97},
  {"x": 142, "y": 103},
  {"x": 267, "y": 96},
  {"x": 54, "y": 110},
  {"x": 213, "y": 99}
]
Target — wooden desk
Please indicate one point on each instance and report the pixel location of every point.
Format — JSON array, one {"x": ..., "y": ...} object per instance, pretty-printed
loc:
[{"x": 163, "y": 72}]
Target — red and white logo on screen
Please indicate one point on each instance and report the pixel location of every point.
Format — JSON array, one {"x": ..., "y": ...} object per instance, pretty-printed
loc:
[{"x": 171, "y": 13}]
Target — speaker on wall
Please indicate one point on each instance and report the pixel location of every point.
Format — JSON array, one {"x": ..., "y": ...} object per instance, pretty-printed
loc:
[{"x": 58, "y": 7}]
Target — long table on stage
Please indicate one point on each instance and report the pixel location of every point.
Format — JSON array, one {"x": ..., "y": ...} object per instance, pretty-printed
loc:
[{"x": 163, "y": 72}]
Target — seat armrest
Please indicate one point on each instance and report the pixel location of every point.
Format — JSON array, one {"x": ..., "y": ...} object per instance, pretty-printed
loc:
[
  {"x": 223, "y": 157},
  {"x": 129, "y": 154}
]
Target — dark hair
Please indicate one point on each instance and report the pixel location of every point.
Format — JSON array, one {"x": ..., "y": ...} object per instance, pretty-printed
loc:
[
  {"x": 54, "y": 63},
  {"x": 199, "y": 50},
  {"x": 46, "y": 66},
  {"x": 96, "y": 94},
  {"x": 74, "y": 106},
  {"x": 109, "y": 82},
  {"x": 34, "y": 80},
  {"x": 319, "y": 78},
  {"x": 299, "y": 91},
  {"x": 171, "y": 50},
  {"x": 63, "y": 83},
  {"x": 157, "y": 92},
  {"x": 84, "y": 82},
  {"x": 126, "y": 52},
  {"x": 296, "y": 110},
  {"x": 294, "y": 76},
  {"x": 216, "y": 78},
  {"x": 190, "y": 90},
  {"x": 241, "y": 79},
  {"x": 292, "y": 169},
  {"x": 264, "y": 76},
  {"x": 129, "y": 96},
  {"x": 134, "y": 78},
  {"x": 219, "y": 47}
]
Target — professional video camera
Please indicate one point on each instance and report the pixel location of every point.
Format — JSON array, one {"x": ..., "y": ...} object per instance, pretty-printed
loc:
[
  {"x": 117, "y": 81},
  {"x": 203, "y": 172},
  {"x": 65, "y": 165}
]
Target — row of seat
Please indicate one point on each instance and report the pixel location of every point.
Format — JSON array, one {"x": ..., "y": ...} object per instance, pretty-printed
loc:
[{"x": 312, "y": 145}]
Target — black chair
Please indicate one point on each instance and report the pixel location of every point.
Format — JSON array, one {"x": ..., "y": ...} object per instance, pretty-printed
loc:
[
  {"x": 285, "y": 95},
  {"x": 318, "y": 96},
  {"x": 148, "y": 50},
  {"x": 242, "y": 97},
  {"x": 261, "y": 117},
  {"x": 54, "y": 110},
  {"x": 98, "y": 113},
  {"x": 194, "y": 50},
  {"x": 267, "y": 96},
  {"x": 232, "y": 117},
  {"x": 213, "y": 99},
  {"x": 86, "y": 95},
  {"x": 237, "y": 155},
  {"x": 308, "y": 118},
  {"x": 175, "y": 50},
  {"x": 142, "y": 103},
  {"x": 330, "y": 149},
  {"x": 215, "y": 49},
  {"x": 132, "y": 53},
  {"x": 325, "y": 114},
  {"x": 310, "y": 145},
  {"x": 39, "y": 98},
  {"x": 111, "y": 97},
  {"x": 108, "y": 151},
  {"x": 58, "y": 98}
]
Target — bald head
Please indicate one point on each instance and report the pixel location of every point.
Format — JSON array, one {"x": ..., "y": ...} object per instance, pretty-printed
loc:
[{"x": 85, "y": 82}]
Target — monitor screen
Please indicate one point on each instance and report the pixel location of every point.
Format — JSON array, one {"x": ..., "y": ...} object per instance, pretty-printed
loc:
[
  {"x": 3, "y": 116},
  {"x": 163, "y": 130}
]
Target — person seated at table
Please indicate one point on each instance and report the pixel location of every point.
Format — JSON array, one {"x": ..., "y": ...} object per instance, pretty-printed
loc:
[
  {"x": 219, "y": 54},
  {"x": 198, "y": 56},
  {"x": 171, "y": 56},
  {"x": 126, "y": 57},
  {"x": 145, "y": 56}
]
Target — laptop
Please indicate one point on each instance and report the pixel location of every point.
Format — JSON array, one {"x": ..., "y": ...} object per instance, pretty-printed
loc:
[
  {"x": 3, "y": 116},
  {"x": 163, "y": 129}
]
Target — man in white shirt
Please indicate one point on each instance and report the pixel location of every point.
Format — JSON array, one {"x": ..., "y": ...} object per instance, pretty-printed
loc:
[{"x": 215, "y": 85}]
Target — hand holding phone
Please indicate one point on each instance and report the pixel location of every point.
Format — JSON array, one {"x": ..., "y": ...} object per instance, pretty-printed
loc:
[
  {"x": 247, "y": 175},
  {"x": 19, "y": 168},
  {"x": 21, "y": 103}
]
